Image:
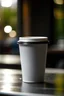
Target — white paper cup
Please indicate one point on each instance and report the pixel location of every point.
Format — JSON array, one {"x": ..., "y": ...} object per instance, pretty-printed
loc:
[{"x": 33, "y": 52}]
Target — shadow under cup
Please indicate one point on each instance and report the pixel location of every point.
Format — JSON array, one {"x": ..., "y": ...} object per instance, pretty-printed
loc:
[{"x": 33, "y": 52}]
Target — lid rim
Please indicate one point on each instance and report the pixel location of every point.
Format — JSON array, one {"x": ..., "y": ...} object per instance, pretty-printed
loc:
[{"x": 33, "y": 39}]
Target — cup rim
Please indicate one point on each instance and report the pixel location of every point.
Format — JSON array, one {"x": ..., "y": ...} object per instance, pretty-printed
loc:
[{"x": 33, "y": 39}]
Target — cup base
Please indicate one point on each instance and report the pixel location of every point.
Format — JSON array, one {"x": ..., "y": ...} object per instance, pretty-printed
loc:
[{"x": 32, "y": 82}]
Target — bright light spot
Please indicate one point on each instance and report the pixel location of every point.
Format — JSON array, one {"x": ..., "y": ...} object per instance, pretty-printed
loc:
[
  {"x": 58, "y": 1},
  {"x": 10, "y": 60},
  {"x": 20, "y": 78},
  {"x": 7, "y": 29},
  {"x": 7, "y": 87},
  {"x": 6, "y": 3},
  {"x": 8, "y": 78},
  {"x": 7, "y": 71},
  {"x": 12, "y": 34}
]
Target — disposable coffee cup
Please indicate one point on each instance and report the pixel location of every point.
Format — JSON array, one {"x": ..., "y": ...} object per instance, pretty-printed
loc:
[{"x": 33, "y": 53}]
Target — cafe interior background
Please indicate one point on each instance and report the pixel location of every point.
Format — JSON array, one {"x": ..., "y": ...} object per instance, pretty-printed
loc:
[
  {"x": 20, "y": 18},
  {"x": 31, "y": 18}
]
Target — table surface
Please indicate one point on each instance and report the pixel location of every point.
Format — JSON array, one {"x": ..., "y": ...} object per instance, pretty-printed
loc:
[{"x": 11, "y": 84}]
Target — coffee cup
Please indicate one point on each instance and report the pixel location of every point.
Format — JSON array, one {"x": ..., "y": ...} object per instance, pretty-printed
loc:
[{"x": 33, "y": 53}]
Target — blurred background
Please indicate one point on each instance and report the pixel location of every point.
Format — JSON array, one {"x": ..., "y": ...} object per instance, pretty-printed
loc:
[{"x": 32, "y": 18}]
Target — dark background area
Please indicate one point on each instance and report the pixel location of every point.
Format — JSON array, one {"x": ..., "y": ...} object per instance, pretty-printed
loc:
[
  {"x": 45, "y": 20},
  {"x": 41, "y": 14}
]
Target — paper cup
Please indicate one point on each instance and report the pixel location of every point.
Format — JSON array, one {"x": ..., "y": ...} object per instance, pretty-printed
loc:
[{"x": 33, "y": 52}]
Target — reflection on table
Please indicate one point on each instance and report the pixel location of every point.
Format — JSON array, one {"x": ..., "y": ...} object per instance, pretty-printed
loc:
[{"x": 11, "y": 81}]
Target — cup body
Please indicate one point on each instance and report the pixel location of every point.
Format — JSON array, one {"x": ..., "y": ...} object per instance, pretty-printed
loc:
[{"x": 33, "y": 61}]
